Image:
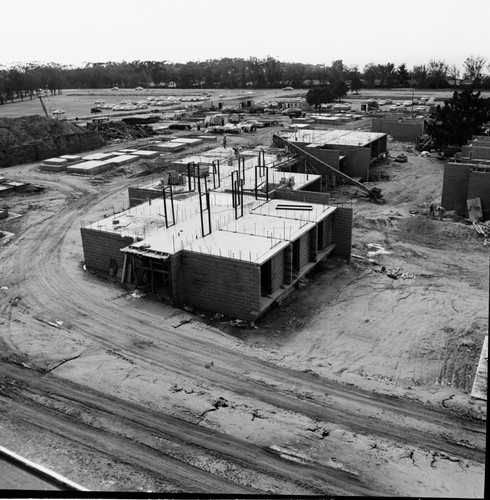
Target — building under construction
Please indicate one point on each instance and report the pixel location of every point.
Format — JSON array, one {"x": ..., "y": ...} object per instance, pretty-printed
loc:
[
  {"x": 467, "y": 178},
  {"x": 232, "y": 236},
  {"x": 346, "y": 151}
]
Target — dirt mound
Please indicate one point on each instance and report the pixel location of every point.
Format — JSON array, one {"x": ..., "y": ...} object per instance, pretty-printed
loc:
[
  {"x": 378, "y": 223},
  {"x": 33, "y": 138},
  {"x": 436, "y": 234},
  {"x": 121, "y": 130}
]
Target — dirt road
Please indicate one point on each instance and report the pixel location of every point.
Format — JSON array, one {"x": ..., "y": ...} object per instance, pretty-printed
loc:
[{"x": 117, "y": 393}]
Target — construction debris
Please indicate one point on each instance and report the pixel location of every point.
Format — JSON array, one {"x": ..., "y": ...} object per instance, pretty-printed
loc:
[
  {"x": 401, "y": 158},
  {"x": 484, "y": 230}
]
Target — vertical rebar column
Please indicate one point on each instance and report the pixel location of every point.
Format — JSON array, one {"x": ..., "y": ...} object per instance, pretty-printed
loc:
[
  {"x": 216, "y": 172},
  {"x": 169, "y": 188}
]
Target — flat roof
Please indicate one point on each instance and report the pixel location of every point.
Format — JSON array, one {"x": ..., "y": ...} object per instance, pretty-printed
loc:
[
  {"x": 264, "y": 229},
  {"x": 250, "y": 158},
  {"x": 335, "y": 136},
  {"x": 303, "y": 212},
  {"x": 269, "y": 226},
  {"x": 238, "y": 246}
]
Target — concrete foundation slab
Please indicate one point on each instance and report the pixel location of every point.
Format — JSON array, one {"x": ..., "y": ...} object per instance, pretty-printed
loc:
[
  {"x": 53, "y": 168},
  {"x": 188, "y": 142},
  {"x": 146, "y": 154},
  {"x": 124, "y": 160},
  {"x": 90, "y": 167},
  {"x": 171, "y": 147},
  {"x": 56, "y": 161},
  {"x": 208, "y": 138},
  {"x": 99, "y": 156},
  {"x": 71, "y": 158}
]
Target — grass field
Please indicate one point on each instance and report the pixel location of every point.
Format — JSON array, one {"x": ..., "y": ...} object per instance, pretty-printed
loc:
[{"x": 77, "y": 102}]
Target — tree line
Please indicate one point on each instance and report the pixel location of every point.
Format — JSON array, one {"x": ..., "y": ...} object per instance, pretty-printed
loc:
[{"x": 23, "y": 81}]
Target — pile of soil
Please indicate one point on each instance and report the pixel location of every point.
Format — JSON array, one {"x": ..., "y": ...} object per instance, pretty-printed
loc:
[
  {"x": 121, "y": 130},
  {"x": 33, "y": 138}
]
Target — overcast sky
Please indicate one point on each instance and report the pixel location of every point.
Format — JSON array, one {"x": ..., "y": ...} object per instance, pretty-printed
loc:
[{"x": 307, "y": 31}]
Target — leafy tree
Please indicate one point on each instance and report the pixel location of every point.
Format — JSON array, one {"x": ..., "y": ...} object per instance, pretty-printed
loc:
[
  {"x": 319, "y": 95},
  {"x": 402, "y": 75},
  {"x": 339, "y": 89},
  {"x": 387, "y": 74},
  {"x": 371, "y": 74},
  {"x": 461, "y": 117},
  {"x": 437, "y": 74},
  {"x": 355, "y": 84},
  {"x": 473, "y": 66},
  {"x": 453, "y": 74},
  {"x": 419, "y": 76}
]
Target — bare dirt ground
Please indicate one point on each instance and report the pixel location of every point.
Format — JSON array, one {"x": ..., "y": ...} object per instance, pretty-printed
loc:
[{"x": 356, "y": 384}]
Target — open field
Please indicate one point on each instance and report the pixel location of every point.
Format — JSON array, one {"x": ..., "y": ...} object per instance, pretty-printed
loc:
[
  {"x": 357, "y": 384},
  {"x": 77, "y": 103}
]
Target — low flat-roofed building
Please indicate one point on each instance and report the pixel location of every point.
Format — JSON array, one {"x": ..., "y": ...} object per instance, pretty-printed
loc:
[
  {"x": 220, "y": 251},
  {"x": 350, "y": 152}
]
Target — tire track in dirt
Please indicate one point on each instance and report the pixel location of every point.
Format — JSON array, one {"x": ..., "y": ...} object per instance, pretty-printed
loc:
[{"x": 49, "y": 279}]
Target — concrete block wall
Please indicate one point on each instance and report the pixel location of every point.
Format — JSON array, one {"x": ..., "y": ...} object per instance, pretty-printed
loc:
[
  {"x": 330, "y": 156},
  {"x": 327, "y": 231},
  {"x": 476, "y": 152},
  {"x": 314, "y": 244},
  {"x": 455, "y": 186},
  {"x": 220, "y": 284},
  {"x": 277, "y": 270},
  {"x": 137, "y": 196},
  {"x": 100, "y": 247},
  {"x": 176, "y": 282},
  {"x": 399, "y": 130},
  {"x": 315, "y": 186},
  {"x": 301, "y": 196},
  {"x": 288, "y": 265},
  {"x": 342, "y": 232},
  {"x": 356, "y": 161},
  {"x": 479, "y": 187},
  {"x": 304, "y": 249}
]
